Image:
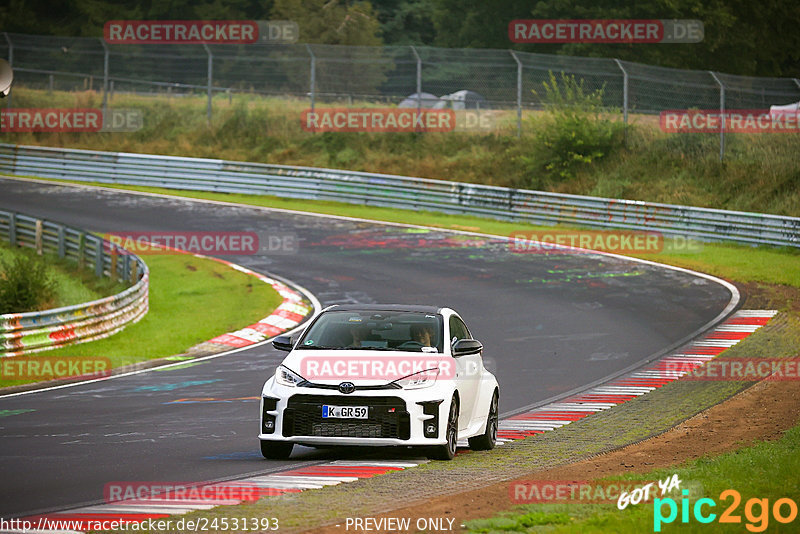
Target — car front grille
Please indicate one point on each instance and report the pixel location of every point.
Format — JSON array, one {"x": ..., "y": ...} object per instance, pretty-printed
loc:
[
  {"x": 350, "y": 430},
  {"x": 388, "y": 417}
]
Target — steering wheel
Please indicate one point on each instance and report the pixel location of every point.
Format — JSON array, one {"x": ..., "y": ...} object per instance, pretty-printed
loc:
[{"x": 410, "y": 345}]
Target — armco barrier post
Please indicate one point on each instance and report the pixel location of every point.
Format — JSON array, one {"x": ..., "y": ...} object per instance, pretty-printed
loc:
[
  {"x": 62, "y": 250},
  {"x": 81, "y": 249}
]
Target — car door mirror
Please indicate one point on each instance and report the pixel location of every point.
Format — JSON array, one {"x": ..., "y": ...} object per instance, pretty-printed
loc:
[
  {"x": 283, "y": 343},
  {"x": 465, "y": 347}
]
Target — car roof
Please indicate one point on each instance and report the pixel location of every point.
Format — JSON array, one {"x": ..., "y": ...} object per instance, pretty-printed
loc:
[{"x": 386, "y": 307}]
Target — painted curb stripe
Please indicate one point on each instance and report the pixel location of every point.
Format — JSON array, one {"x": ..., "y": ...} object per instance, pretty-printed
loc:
[
  {"x": 663, "y": 371},
  {"x": 519, "y": 426}
]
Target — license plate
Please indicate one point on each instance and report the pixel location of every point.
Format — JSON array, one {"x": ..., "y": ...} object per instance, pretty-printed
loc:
[{"x": 345, "y": 412}]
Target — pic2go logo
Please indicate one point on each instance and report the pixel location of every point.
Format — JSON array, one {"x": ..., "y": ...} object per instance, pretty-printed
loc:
[{"x": 756, "y": 511}]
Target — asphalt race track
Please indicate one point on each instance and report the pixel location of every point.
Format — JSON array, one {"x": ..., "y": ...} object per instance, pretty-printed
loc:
[{"x": 550, "y": 324}]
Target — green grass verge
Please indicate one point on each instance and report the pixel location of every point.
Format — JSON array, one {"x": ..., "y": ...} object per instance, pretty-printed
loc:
[
  {"x": 191, "y": 300},
  {"x": 73, "y": 285},
  {"x": 762, "y": 471},
  {"x": 742, "y": 263}
]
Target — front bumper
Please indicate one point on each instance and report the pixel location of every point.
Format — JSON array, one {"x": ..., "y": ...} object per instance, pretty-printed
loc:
[{"x": 395, "y": 417}]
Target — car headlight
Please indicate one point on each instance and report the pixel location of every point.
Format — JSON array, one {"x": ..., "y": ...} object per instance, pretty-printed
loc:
[
  {"x": 421, "y": 379},
  {"x": 286, "y": 377}
]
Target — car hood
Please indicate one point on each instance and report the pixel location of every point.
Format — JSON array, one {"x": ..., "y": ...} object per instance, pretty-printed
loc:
[{"x": 363, "y": 367}]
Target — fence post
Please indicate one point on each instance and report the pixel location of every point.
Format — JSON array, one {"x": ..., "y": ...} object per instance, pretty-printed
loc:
[
  {"x": 62, "y": 246},
  {"x": 38, "y": 245},
  {"x": 624, "y": 97},
  {"x": 312, "y": 76},
  {"x": 419, "y": 80},
  {"x": 721, "y": 115},
  {"x": 105, "y": 76},
  {"x": 126, "y": 266},
  {"x": 12, "y": 229},
  {"x": 519, "y": 93},
  {"x": 98, "y": 258},
  {"x": 81, "y": 249},
  {"x": 624, "y": 90},
  {"x": 210, "y": 78},
  {"x": 10, "y": 63},
  {"x": 113, "y": 270}
]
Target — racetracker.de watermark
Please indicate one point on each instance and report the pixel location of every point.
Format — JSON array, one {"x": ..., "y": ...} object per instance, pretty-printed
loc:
[
  {"x": 384, "y": 368},
  {"x": 733, "y": 369},
  {"x": 575, "y": 491},
  {"x": 22, "y": 120},
  {"x": 586, "y": 241},
  {"x": 378, "y": 120},
  {"x": 197, "y": 492},
  {"x": 144, "y": 243},
  {"x": 732, "y": 121},
  {"x": 200, "y": 31},
  {"x": 606, "y": 31},
  {"x": 54, "y": 367}
]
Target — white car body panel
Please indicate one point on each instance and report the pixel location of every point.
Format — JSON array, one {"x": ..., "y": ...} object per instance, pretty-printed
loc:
[{"x": 472, "y": 384}]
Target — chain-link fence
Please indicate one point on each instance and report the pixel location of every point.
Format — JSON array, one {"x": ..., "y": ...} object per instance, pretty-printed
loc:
[{"x": 503, "y": 79}]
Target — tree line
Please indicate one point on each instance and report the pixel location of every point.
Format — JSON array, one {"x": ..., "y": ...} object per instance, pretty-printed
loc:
[{"x": 741, "y": 36}]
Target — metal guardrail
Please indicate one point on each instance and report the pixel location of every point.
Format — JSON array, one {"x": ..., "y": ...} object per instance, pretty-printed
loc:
[
  {"x": 398, "y": 192},
  {"x": 22, "y": 333}
]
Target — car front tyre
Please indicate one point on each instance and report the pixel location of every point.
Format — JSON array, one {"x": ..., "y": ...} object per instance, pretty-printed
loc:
[
  {"x": 448, "y": 450},
  {"x": 276, "y": 450},
  {"x": 488, "y": 439}
]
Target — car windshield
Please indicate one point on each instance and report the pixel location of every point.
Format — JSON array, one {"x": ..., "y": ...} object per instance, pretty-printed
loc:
[{"x": 375, "y": 330}]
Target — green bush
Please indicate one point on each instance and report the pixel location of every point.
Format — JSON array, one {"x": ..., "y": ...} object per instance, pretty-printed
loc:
[
  {"x": 574, "y": 133},
  {"x": 25, "y": 284}
]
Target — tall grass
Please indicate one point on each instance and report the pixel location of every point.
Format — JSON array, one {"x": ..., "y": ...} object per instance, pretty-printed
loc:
[{"x": 760, "y": 172}]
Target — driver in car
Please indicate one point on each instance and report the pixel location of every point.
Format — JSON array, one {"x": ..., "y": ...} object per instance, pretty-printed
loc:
[
  {"x": 422, "y": 334},
  {"x": 359, "y": 333}
]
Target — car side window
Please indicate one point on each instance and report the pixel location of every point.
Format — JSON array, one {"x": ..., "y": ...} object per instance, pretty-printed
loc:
[{"x": 458, "y": 330}]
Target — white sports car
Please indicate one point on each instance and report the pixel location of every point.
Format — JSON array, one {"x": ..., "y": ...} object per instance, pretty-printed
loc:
[{"x": 380, "y": 375}]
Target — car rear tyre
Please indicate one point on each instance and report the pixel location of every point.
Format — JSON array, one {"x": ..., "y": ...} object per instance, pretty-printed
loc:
[
  {"x": 448, "y": 450},
  {"x": 488, "y": 439},
  {"x": 276, "y": 450}
]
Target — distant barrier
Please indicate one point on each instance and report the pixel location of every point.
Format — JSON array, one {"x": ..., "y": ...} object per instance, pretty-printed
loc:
[
  {"x": 23, "y": 333},
  {"x": 398, "y": 192}
]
